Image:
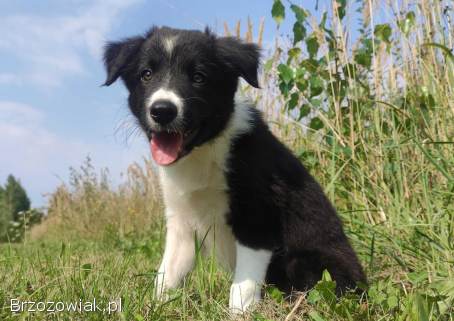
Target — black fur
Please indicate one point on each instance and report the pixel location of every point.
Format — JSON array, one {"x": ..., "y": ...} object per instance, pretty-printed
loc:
[
  {"x": 223, "y": 60},
  {"x": 117, "y": 55},
  {"x": 275, "y": 204}
]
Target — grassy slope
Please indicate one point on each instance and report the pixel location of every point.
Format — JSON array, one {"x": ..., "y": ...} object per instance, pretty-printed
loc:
[{"x": 122, "y": 267}]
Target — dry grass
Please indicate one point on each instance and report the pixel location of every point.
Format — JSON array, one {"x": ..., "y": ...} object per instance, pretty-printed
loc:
[{"x": 88, "y": 206}]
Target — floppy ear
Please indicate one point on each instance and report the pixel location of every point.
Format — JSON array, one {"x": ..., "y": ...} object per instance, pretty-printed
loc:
[
  {"x": 117, "y": 56},
  {"x": 242, "y": 58}
]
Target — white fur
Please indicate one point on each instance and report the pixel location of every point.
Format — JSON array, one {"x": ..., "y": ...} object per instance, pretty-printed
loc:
[
  {"x": 178, "y": 257},
  {"x": 250, "y": 272},
  {"x": 171, "y": 96},
  {"x": 166, "y": 94},
  {"x": 196, "y": 202},
  {"x": 169, "y": 44}
]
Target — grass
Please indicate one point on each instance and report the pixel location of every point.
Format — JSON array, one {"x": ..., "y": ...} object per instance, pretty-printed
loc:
[{"x": 386, "y": 161}]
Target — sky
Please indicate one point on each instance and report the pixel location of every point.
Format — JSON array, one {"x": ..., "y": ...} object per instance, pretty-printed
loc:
[{"x": 53, "y": 111}]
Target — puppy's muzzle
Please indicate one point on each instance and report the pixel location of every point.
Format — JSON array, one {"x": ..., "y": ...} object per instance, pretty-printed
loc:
[{"x": 163, "y": 112}]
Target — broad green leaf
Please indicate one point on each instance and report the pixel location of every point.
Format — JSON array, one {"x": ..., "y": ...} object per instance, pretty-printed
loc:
[
  {"x": 294, "y": 52},
  {"x": 312, "y": 46},
  {"x": 310, "y": 64},
  {"x": 278, "y": 11},
  {"x": 418, "y": 277},
  {"x": 275, "y": 293},
  {"x": 285, "y": 73},
  {"x": 341, "y": 5},
  {"x": 300, "y": 13},
  {"x": 316, "y": 123},
  {"x": 299, "y": 74},
  {"x": 299, "y": 32},
  {"x": 301, "y": 84},
  {"x": 407, "y": 23},
  {"x": 285, "y": 88},
  {"x": 392, "y": 301},
  {"x": 293, "y": 101},
  {"x": 383, "y": 32},
  {"x": 304, "y": 111},
  {"x": 313, "y": 296},
  {"x": 363, "y": 57},
  {"x": 316, "y": 84}
]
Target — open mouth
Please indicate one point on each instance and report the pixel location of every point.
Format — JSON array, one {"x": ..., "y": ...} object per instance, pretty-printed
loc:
[{"x": 168, "y": 147}]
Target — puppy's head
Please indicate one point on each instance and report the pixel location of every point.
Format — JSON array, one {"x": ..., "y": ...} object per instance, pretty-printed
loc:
[{"x": 181, "y": 85}]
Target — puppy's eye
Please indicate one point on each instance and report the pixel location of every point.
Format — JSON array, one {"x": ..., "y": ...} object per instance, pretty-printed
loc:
[
  {"x": 146, "y": 75},
  {"x": 199, "y": 77}
]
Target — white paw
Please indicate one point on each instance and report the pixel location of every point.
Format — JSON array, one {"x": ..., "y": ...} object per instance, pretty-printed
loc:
[
  {"x": 243, "y": 295},
  {"x": 160, "y": 289}
]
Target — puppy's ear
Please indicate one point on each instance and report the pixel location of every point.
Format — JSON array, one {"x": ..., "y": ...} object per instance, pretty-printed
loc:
[
  {"x": 117, "y": 56},
  {"x": 242, "y": 58}
]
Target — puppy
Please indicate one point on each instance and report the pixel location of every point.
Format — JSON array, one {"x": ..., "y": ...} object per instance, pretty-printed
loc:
[{"x": 225, "y": 178}]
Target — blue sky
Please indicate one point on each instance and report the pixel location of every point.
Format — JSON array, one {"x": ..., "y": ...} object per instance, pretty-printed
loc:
[{"x": 53, "y": 112}]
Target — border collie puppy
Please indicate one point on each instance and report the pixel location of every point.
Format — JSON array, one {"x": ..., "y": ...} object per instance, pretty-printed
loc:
[{"x": 225, "y": 178}]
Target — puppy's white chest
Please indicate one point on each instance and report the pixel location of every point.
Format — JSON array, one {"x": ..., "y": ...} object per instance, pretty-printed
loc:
[
  {"x": 195, "y": 188},
  {"x": 195, "y": 194},
  {"x": 197, "y": 183}
]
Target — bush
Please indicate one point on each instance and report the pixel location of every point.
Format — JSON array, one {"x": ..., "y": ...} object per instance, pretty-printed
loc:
[
  {"x": 15, "y": 213},
  {"x": 25, "y": 220},
  {"x": 6, "y": 217}
]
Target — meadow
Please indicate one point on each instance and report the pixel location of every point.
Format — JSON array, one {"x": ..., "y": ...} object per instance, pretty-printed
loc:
[{"x": 371, "y": 116}]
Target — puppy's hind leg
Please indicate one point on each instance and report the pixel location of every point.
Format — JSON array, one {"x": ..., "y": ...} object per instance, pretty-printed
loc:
[{"x": 305, "y": 268}]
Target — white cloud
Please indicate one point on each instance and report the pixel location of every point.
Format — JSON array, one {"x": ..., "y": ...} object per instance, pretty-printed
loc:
[
  {"x": 15, "y": 113},
  {"x": 45, "y": 51},
  {"x": 51, "y": 48},
  {"x": 41, "y": 158},
  {"x": 28, "y": 149}
]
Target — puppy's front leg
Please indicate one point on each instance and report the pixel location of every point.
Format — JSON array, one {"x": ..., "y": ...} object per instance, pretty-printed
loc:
[
  {"x": 178, "y": 257},
  {"x": 250, "y": 272}
]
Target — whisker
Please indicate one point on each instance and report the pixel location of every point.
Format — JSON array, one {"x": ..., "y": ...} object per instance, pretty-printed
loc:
[{"x": 127, "y": 129}]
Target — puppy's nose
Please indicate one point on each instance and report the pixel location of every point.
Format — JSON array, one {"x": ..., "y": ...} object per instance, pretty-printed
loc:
[{"x": 163, "y": 112}]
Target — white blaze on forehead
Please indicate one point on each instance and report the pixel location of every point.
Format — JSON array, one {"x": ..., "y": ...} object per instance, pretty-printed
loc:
[
  {"x": 168, "y": 95},
  {"x": 169, "y": 43}
]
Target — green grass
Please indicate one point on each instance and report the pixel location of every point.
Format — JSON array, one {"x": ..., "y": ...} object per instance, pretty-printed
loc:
[
  {"x": 409, "y": 265},
  {"x": 108, "y": 271}
]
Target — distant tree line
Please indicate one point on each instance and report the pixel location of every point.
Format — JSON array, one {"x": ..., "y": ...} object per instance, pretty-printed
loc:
[{"x": 15, "y": 212}]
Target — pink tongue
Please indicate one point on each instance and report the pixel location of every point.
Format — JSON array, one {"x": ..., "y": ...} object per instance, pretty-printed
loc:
[{"x": 165, "y": 147}]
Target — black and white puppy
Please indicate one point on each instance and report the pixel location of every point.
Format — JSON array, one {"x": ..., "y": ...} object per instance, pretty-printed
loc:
[{"x": 225, "y": 178}]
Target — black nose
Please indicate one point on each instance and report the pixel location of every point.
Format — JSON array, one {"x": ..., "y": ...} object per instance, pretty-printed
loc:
[{"x": 163, "y": 112}]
